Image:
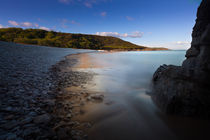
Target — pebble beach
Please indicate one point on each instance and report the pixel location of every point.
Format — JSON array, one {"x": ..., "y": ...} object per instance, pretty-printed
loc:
[{"x": 28, "y": 89}]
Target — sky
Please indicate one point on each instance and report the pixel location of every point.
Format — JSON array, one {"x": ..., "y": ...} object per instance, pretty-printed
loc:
[{"x": 152, "y": 23}]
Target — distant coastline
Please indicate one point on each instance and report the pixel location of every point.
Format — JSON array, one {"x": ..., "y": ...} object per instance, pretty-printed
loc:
[
  {"x": 69, "y": 40},
  {"x": 147, "y": 49}
]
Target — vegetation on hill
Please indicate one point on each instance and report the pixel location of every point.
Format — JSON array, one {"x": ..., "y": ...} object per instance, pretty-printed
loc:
[{"x": 66, "y": 40}]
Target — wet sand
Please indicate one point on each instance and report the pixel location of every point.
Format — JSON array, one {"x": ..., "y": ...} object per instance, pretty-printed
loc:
[{"x": 126, "y": 111}]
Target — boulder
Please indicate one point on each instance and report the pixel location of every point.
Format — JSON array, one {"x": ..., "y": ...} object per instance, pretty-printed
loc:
[
  {"x": 185, "y": 90},
  {"x": 42, "y": 119}
]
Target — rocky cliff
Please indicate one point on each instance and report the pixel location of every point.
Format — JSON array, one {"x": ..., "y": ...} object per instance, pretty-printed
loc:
[{"x": 185, "y": 90}]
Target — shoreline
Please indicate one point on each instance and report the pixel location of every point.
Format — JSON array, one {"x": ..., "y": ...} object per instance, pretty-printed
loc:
[
  {"x": 59, "y": 101},
  {"x": 138, "y": 50},
  {"x": 108, "y": 50},
  {"x": 70, "y": 95},
  {"x": 104, "y": 118},
  {"x": 26, "y": 99}
]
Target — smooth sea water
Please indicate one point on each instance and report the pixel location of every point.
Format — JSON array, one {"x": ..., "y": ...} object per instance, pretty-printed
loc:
[
  {"x": 130, "y": 69},
  {"x": 127, "y": 112}
]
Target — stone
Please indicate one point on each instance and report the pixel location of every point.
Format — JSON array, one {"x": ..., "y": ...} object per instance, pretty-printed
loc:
[
  {"x": 26, "y": 120},
  {"x": 9, "y": 117},
  {"x": 42, "y": 119},
  {"x": 9, "y": 125},
  {"x": 32, "y": 113},
  {"x": 50, "y": 102},
  {"x": 87, "y": 125},
  {"x": 9, "y": 109},
  {"x": 98, "y": 97},
  {"x": 109, "y": 102},
  {"x": 62, "y": 134},
  {"x": 27, "y": 78},
  {"x": 185, "y": 90},
  {"x": 68, "y": 115},
  {"x": 11, "y": 136},
  {"x": 77, "y": 138},
  {"x": 31, "y": 131}
]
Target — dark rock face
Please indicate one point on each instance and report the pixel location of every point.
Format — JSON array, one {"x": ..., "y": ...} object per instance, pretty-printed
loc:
[{"x": 185, "y": 90}]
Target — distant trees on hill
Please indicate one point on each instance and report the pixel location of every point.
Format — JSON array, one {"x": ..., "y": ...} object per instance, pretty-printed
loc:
[
  {"x": 64, "y": 40},
  {"x": 67, "y": 40}
]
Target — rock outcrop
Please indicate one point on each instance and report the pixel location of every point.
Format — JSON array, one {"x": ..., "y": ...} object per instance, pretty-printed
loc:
[{"x": 185, "y": 90}]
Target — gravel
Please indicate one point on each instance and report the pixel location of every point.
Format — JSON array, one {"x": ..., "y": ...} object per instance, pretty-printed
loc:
[{"x": 25, "y": 83}]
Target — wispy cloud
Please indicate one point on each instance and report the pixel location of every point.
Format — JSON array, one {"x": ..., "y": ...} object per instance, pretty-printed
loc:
[
  {"x": 103, "y": 14},
  {"x": 129, "y": 18},
  {"x": 136, "y": 34},
  {"x": 65, "y": 23},
  {"x": 90, "y": 3},
  {"x": 86, "y": 3},
  {"x": 66, "y": 1},
  {"x": 74, "y": 22},
  {"x": 36, "y": 25},
  {"x": 44, "y": 28},
  {"x": 13, "y": 23}
]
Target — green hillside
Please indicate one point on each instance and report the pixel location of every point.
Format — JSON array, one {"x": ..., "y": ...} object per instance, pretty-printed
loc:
[{"x": 65, "y": 40}]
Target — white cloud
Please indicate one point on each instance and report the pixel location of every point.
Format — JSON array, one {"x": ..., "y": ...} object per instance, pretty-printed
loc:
[
  {"x": 182, "y": 43},
  {"x": 136, "y": 34},
  {"x": 13, "y": 23},
  {"x": 103, "y": 14},
  {"x": 27, "y": 24},
  {"x": 129, "y": 18},
  {"x": 178, "y": 45},
  {"x": 23, "y": 24},
  {"x": 1, "y": 26},
  {"x": 44, "y": 28}
]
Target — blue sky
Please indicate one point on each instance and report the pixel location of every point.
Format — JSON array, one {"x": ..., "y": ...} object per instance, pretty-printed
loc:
[{"x": 154, "y": 23}]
